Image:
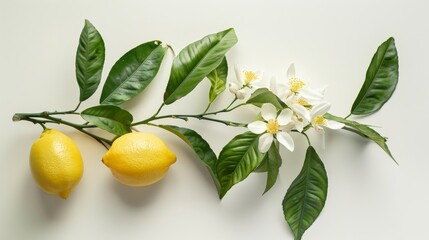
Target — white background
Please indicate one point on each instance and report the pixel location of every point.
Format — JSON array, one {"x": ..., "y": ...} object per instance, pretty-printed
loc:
[{"x": 330, "y": 42}]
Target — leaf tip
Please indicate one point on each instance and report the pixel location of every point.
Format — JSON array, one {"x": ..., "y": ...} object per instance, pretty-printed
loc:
[
  {"x": 391, "y": 156},
  {"x": 88, "y": 23},
  {"x": 221, "y": 195}
]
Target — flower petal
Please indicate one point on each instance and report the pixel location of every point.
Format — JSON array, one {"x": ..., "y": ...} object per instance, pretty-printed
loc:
[
  {"x": 259, "y": 75},
  {"x": 257, "y": 127},
  {"x": 265, "y": 142},
  {"x": 273, "y": 85},
  {"x": 310, "y": 94},
  {"x": 322, "y": 89},
  {"x": 318, "y": 129},
  {"x": 286, "y": 140},
  {"x": 285, "y": 94},
  {"x": 320, "y": 109},
  {"x": 334, "y": 125},
  {"x": 298, "y": 124},
  {"x": 258, "y": 83},
  {"x": 239, "y": 74},
  {"x": 291, "y": 71},
  {"x": 301, "y": 111},
  {"x": 288, "y": 127},
  {"x": 285, "y": 117},
  {"x": 268, "y": 111}
]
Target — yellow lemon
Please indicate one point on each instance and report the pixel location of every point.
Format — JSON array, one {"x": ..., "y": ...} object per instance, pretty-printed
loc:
[
  {"x": 56, "y": 163},
  {"x": 139, "y": 159}
]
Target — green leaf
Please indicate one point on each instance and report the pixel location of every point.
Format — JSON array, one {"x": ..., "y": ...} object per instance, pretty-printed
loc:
[
  {"x": 306, "y": 196},
  {"x": 89, "y": 60},
  {"x": 237, "y": 160},
  {"x": 363, "y": 130},
  {"x": 200, "y": 147},
  {"x": 274, "y": 161},
  {"x": 110, "y": 118},
  {"x": 132, "y": 73},
  {"x": 195, "y": 62},
  {"x": 263, "y": 95},
  {"x": 380, "y": 82},
  {"x": 217, "y": 78}
]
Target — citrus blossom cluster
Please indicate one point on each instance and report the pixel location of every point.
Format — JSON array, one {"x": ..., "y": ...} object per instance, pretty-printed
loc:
[{"x": 305, "y": 107}]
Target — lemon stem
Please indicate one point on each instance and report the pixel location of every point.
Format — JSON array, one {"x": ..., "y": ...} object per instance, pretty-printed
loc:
[
  {"x": 308, "y": 139},
  {"x": 159, "y": 109},
  {"x": 233, "y": 101},
  {"x": 43, "y": 126},
  {"x": 207, "y": 108}
]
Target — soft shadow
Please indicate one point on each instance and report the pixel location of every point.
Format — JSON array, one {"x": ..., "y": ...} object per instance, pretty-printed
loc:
[
  {"x": 137, "y": 197},
  {"x": 52, "y": 206},
  {"x": 345, "y": 136}
]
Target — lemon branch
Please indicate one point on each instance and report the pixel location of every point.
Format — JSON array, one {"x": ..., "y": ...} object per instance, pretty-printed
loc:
[
  {"x": 202, "y": 116},
  {"x": 47, "y": 117},
  {"x": 186, "y": 118}
]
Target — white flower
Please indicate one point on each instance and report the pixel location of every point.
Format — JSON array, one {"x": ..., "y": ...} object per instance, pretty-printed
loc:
[
  {"x": 299, "y": 105},
  {"x": 273, "y": 127},
  {"x": 296, "y": 87},
  {"x": 301, "y": 88},
  {"x": 239, "y": 91},
  {"x": 246, "y": 78},
  {"x": 318, "y": 121},
  {"x": 296, "y": 123}
]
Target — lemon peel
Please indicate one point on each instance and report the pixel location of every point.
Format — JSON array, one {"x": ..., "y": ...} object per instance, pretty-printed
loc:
[
  {"x": 139, "y": 159},
  {"x": 56, "y": 163}
]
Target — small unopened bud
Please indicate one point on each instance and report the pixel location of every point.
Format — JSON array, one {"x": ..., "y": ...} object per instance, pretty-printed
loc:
[
  {"x": 233, "y": 88},
  {"x": 241, "y": 94}
]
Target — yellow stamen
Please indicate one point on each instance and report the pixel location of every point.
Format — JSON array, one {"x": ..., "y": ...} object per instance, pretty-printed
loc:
[
  {"x": 319, "y": 120},
  {"x": 302, "y": 102},
  {"x": 296, "y": 84},
  {"x": 249, "y": 76},
  {"x": 273, "y": 126}
]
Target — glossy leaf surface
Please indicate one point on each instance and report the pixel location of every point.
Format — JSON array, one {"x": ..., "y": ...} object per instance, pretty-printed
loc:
[
  {"x": 263, "y": 95},
  {"x": 200, "y": 147},
  {"x": 306, "y": 195},
  {"x": 273, "y": 162},
  {"x": 237, "y": 160},
  {"x": 132, "y": 73},
  {"x": 89, "y": 60},
  {"x": 110, "y": 118},
  {"x": 218, "y": 80},
  {"x": 380, "y": 82},
  {"x": 195, "y": 62}
]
